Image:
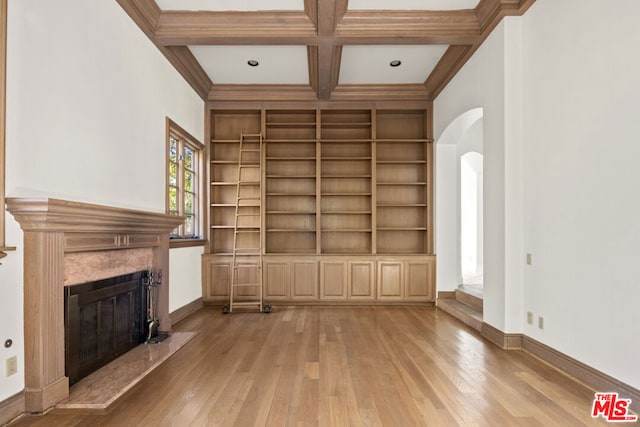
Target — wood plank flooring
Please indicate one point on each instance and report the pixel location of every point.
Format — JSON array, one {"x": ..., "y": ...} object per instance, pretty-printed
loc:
[{"x": 343, "y": 366}]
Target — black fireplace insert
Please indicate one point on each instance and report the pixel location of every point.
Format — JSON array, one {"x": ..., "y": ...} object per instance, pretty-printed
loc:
[{"x": 103, "y": 320}]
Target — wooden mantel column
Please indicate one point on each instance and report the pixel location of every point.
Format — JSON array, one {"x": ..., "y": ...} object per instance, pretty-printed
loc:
[{"x": 51, "y": 229}]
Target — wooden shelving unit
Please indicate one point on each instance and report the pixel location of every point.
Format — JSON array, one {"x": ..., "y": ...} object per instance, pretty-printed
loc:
[
  {"x": 291, "y": 182},
  {"x": 347, "y": 203}
]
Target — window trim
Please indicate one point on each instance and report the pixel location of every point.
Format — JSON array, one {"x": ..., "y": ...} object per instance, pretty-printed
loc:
[{"x": 175, "y": 130}]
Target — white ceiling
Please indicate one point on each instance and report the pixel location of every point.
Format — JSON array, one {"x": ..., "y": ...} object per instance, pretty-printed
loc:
[
  {"x": 370, "y": 64},
  {"x": 220, "y": 5},
  {"x": 360, "y": 64},
  {"x": 412, "y": 4},
  {"x": 278, "y": 64}
]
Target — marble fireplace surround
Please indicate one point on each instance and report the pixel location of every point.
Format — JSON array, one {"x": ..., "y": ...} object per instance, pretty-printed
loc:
[{"x": 62, "y": 238}]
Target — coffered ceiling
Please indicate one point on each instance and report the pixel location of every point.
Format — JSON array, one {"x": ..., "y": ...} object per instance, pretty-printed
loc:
[{"x": 319, "y": 49}]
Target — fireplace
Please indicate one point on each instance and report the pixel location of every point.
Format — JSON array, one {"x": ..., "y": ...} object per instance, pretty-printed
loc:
[
  {"x": 64, "y": 240},
  {"x": 103, "y": 320}
]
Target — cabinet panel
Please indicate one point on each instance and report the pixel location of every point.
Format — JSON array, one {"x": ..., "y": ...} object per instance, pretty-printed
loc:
[
  {"x": 390, "y": 280},
  {"x": 304, "y": 280},
  {"x": 333, "y": 279},
  {"x": 142, "y": 240},
  {"x": 418, "y": 281},
  {"x": 219, "y": 280},
  {"x": 276, "y": 280},
  {"x": 85, "y": 242},
  {"x": 361, "y": 280}
]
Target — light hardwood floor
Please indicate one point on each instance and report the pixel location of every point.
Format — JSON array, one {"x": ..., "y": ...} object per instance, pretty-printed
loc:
[{"x": 340, "y": 366}]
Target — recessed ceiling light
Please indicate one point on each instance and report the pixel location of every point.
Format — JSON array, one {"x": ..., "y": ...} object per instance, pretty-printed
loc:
[
  {"x": 395, "y": 63},
  {"x": 253, "y": 63}
]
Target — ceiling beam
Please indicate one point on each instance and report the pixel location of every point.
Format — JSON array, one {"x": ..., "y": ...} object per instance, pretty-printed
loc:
[
  {"x": 225, "y": 92},
  {"x": 324, "y": 27},
  {"x": 328, "y": 69},
  {"x": 290, "y": 93},
  {"x": 445, "y": 69},
  {"x": 335, "y": 26},
  {"x": 386, "y": 92},
  {"x": 183, "y": 28},
  {"x": 330, "y": 13},
  {"x": 409, "y": 27},
  {"x": 146, "y": 14}
]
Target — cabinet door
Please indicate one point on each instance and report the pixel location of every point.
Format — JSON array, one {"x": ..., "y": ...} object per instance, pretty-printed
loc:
[
  {"x": 216, "y": 280},
  {"x": 304, "y": 280},
  {"x": 390, "y": 280},
  {"x": 418, "y": 281},
  {"x": 333, "y": 280},
  {"x": 361, "y": 280},
  {"x": 276, "y": 280}
]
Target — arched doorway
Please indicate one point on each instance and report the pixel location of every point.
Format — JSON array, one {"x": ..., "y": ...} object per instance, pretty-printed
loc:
[
  {"x": 463, "y": 135},
  {"x": 471, "y": 218}
]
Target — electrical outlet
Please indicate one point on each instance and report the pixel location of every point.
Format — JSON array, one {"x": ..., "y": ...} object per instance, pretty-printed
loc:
[
  {"x": 529, "y": 317},
  {"x": 529, "y": 259},
  {"x": 540, "y": 322},
  {"x": 11, "y": 366}
]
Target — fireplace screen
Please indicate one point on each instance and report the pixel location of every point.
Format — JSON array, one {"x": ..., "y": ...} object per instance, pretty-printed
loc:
[{"x": 103, "y": 320}]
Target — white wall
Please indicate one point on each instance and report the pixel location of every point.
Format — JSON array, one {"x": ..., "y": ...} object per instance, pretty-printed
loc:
[
  {"x": 87, "y": 97},
  {"x": 481, "y": 84},
  {"x": 560, "y": 92},
  {"x": 582, "y": 216},
  {"x": 185, "y": 276}
]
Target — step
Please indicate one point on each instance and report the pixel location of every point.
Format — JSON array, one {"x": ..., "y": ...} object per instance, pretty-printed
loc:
[
  {"x": 469, "y": 315},
  {"x": 470, "y": 297}
]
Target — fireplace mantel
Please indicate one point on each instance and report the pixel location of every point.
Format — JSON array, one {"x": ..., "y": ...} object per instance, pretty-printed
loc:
[
  {"x": 76, "y": 217},
  {"x": 53, "y": 227}
]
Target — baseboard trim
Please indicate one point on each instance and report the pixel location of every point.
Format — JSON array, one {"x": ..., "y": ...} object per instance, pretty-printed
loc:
[
  {"x": 446, "y": 294},
  {"x": 501, "y": 339},
  {"x": 12, "y": 407},
  {"x": 186, "y": 310},
  {"x": 580, "y": 372},
  {"x": 585, "y": 374}
]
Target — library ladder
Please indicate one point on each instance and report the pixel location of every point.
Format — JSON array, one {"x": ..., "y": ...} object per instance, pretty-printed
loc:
[{"x": 247, "y": 233}]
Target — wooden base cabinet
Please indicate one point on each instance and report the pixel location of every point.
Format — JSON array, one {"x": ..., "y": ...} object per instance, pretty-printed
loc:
[
  {"x": 321, "y": 279},
  {"x": 406, "y": 279}
]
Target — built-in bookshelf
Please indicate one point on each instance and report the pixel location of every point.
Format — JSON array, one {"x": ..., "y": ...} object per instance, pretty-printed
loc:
[
  {"x": 335, "y": 183},
  {"x": 346, "y": 196}
]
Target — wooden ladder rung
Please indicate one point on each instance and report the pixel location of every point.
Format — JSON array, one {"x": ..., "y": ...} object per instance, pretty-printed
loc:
[{"x": 245, "y": 285}]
